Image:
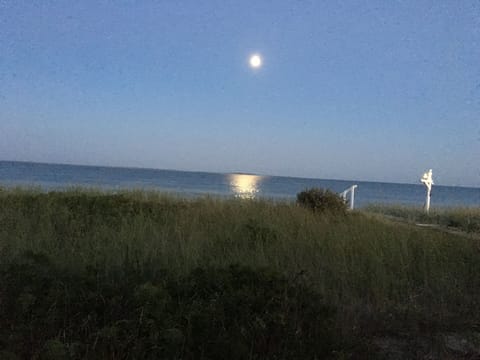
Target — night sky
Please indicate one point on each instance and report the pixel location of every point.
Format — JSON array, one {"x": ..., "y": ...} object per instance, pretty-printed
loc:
[{"x": 357, "y": 90}]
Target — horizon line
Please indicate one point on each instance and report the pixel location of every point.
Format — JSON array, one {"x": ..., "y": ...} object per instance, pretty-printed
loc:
[{"x": 223, "y": 173}]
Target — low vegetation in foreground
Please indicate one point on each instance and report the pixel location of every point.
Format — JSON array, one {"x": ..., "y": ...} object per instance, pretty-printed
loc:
[
  {"x": 85, "y": 274},
  {"x": 462, "y": 219}
]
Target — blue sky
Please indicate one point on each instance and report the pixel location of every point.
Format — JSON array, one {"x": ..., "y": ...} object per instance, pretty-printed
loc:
[{"x": 376, "y": 90}]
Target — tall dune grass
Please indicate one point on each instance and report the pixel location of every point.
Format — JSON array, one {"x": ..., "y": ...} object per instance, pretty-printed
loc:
[{"x": 380, "y": 276}]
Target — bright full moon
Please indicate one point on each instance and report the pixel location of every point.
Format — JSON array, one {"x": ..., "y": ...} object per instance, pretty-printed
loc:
[{"x": 255, "y": 61}]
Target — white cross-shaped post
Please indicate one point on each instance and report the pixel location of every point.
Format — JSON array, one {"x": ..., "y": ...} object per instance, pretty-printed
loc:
[{"x": 428, "y": 182}]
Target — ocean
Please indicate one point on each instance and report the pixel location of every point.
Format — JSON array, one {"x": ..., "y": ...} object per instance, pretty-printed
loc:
[{"x": 186, "y": 183}]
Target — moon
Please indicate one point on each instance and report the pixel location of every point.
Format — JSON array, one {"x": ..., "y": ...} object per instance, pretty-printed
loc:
[{"x": 255, "y": 61}]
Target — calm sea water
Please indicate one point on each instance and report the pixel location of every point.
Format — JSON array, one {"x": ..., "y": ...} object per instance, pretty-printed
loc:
[{"x": 58, "y": 177}]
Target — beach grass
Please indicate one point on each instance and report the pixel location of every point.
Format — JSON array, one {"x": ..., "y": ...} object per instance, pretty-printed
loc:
[
  {"x": 157, "y": 261},
  {"x": 465, "y": 219}
]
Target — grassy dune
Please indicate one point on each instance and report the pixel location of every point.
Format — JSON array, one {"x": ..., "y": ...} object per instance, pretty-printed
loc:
[
  {"x": 463, "y": 219},
  {"x": 138, "y": 274}
]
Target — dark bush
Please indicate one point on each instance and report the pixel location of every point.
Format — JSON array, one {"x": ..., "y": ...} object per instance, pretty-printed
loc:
[{"x": 321, "y": 200}]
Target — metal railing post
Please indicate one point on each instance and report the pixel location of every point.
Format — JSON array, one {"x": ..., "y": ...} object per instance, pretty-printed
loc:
[{"x": 350, "y": 190}]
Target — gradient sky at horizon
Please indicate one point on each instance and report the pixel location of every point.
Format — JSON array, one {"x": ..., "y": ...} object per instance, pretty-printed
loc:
[{"x": 376, "y": 90}]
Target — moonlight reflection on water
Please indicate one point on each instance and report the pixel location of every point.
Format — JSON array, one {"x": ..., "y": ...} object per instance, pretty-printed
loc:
[{"x": 244, "y": 186}]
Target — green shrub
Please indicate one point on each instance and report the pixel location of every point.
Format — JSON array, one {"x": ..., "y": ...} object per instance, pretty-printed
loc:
[{"x": 321, "y": 200}]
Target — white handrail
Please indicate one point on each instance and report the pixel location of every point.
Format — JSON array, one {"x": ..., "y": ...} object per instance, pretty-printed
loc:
[{"x": 350, "y": 190}]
